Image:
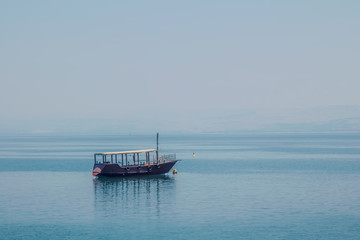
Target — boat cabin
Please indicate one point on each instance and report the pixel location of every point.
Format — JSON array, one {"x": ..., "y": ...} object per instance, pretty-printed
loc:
[{"x": 132, "y": 158}]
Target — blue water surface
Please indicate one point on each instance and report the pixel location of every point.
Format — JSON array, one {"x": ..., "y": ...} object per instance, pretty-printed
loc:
[{"x": 249, "y": 186}]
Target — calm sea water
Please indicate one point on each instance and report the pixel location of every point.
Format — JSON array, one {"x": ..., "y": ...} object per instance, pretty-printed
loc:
[{"x": 253, "y": 186}]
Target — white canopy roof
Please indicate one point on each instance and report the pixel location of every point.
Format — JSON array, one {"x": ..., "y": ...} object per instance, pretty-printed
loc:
[{"x": 126, "y": 152}]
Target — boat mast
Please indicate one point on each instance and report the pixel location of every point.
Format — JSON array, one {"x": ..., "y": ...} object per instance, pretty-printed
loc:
[{"x": 157, "y": 147}]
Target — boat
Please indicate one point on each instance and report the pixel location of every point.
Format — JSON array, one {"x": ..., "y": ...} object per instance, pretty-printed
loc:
[{"x": 134, "y": 162}]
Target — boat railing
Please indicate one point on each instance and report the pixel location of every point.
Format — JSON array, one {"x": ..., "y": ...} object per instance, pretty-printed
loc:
[
  {"x": 133, "y": 159},
  {"x": 167, "y": 157}
]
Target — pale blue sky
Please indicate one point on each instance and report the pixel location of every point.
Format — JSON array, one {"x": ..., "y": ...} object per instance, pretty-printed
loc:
[{"x": 127, "y": 59}]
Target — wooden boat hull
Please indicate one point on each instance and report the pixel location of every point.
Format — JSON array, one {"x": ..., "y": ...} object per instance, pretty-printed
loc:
[{"x": 115, "y": 170}]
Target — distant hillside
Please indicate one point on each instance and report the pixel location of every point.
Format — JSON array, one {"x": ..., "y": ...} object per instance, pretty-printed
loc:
[
  {"x": 339, "y": 125},
  {"x": 320, "y": 119}
]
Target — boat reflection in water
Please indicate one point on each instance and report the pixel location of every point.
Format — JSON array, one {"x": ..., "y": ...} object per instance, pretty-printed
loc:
[{"x": 133, "y": 195}]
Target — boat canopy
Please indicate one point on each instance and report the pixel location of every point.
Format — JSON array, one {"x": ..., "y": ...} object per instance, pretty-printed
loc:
[{"x": 126, "y": 152}]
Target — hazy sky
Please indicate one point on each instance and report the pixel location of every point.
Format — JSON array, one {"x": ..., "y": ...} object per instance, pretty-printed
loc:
[{"x": 129, "y": 59}]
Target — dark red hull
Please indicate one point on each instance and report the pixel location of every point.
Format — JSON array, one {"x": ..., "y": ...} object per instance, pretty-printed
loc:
[{"x": 115, "y": 170}]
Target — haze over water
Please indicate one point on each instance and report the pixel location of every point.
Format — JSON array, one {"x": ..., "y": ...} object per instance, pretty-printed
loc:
[
  {"x": 199, "y": 66},
  {"x": 255, "y": 186}
]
